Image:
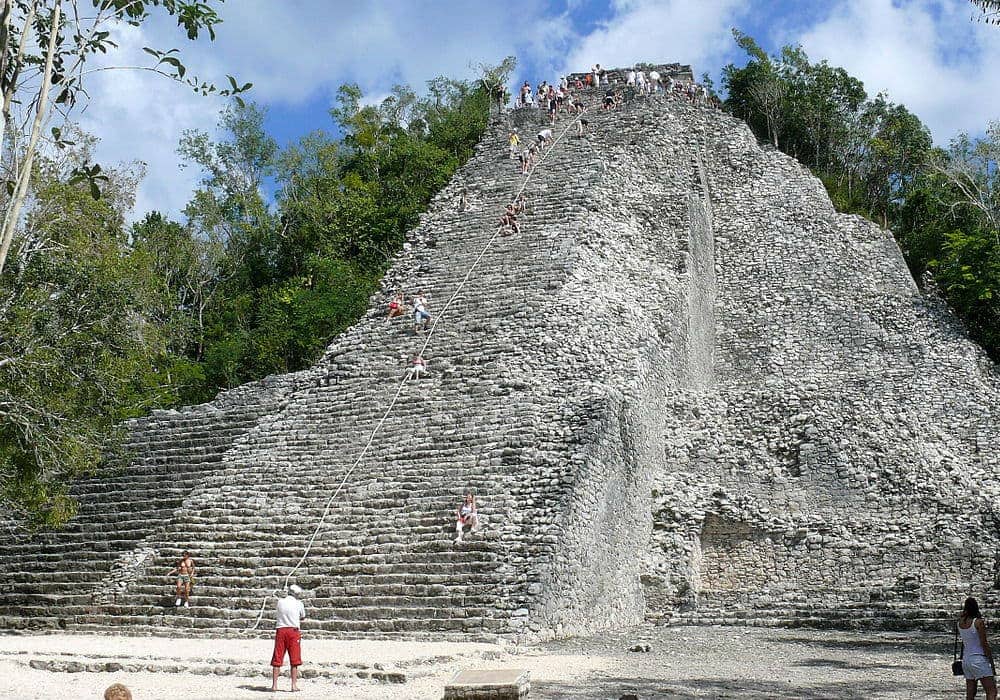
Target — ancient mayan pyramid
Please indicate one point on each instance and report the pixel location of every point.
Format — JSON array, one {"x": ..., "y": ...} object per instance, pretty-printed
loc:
[{"x": 688, "y": 391}]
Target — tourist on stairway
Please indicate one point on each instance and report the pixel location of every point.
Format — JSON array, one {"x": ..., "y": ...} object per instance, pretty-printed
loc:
[
  {"x": 525, "y": 94},
  {"x": 609, "y": 99},
  {"x": 524, "y": 158},
  {"x": 513, "y": 140},
  {"x": 185, "y": 577},
  {"x": 654, "y": 81},
  {"x": 418, "y": 368},
  {"x": 466, "y": 515},
  {"x": 421, "y": 317},
  {"x": 508, "y": 222},
  {"x": 288, "y": 636},
  {"x": 977, "y": 656},
  {"x": 520, "y": 204},
  {"x": 544, "y": 137},
  {"x": 396, "y": 306}
]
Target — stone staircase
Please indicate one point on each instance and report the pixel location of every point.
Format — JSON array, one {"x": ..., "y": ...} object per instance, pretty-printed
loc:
[
  {"x": 685, "y": 393},
  {"x": 244, "y": 486},
  {"x": 930, "y": 610}
]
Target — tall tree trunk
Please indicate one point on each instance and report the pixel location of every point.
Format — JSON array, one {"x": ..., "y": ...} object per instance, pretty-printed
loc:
[
  {"x": 10, "y": 85},
  {"x": 13, "y": 212}
]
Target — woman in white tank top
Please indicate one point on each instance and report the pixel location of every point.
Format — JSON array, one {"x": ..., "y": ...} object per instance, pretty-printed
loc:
[{"x": 977, "y": 656}]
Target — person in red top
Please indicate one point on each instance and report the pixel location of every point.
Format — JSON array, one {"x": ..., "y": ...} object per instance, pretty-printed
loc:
[
  {"x": 287, "y": 637},
  {"x": 395, "y": 307}
]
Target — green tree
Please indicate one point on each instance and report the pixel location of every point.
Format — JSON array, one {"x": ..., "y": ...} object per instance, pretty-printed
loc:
[
  {"x": 77, "y": 354},
  {"x": 46, "y": 52}
]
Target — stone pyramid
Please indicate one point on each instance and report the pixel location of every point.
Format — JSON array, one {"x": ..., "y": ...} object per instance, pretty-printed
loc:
[{"x": 688, "y": 391}]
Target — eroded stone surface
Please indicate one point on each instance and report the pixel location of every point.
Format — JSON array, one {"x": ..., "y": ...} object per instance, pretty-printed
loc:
[{"x": 689, "y": 391}]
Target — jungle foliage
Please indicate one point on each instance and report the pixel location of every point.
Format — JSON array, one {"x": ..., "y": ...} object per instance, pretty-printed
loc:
[
  {"x": 876, "y": 159},
  {"x": 279, "y": 250}
]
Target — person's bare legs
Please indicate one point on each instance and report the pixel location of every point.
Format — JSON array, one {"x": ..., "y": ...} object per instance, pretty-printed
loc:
[
  {"x": 275, "y": 672},
  {"x": 990, "y": 686},
  {"x": 295, "y": 678}
]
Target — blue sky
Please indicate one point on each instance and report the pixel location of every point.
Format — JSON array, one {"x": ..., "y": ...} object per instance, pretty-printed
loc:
[{"x": 926, "y": 54}]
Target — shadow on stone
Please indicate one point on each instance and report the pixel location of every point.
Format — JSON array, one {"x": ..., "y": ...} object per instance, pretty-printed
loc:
[
  {"x": 916, "y": 644},
  {"x": 849, "y": 665},
  {"x": 604, "y": 688}
]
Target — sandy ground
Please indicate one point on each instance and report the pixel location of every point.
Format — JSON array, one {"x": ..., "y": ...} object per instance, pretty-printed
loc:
[{"x": 684, "y": 662}]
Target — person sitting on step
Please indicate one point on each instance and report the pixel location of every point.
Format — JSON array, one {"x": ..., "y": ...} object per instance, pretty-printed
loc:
[
  {"x": 466, "y": 515},
  {"x": 396, "y": 307},
  {"x": 508, "y": 222},
  {"x": 185, "y": 577},
  {"x": 417, "y": 368},
  {"x": 520, "y": 204},
  {"x": 421, "y": 317}
]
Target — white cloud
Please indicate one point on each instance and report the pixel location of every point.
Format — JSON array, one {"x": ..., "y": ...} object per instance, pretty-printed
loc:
[
  {"x": 293, "y": 51},
  {"x": 653, "y": 30},
  {"x": 139, "y": 116},
  {"x": 925, "y": 54}
]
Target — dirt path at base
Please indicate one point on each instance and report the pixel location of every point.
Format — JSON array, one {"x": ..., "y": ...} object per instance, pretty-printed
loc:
[{"x": 683, "y": 662}]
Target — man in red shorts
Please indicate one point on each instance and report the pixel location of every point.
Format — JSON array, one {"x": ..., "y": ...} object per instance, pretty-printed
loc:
[{"x": 287, "y": 637}]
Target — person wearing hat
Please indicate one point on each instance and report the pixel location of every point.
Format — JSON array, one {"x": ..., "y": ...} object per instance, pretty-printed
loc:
[{"x": 287, "y": 636}]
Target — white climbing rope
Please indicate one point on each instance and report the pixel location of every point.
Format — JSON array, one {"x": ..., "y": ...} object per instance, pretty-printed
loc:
[{"x": 406, "y": 376}]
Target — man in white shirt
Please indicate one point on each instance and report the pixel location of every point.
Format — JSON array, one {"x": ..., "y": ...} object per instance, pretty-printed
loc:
[
  {"x": 544, "y": 137},
  {"x": 421, "y": 317},
  {"x": 654, "y": 81},
  {"x": 287, "y": 636}
]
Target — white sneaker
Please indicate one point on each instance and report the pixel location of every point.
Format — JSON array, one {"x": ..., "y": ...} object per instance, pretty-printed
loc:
[
  {"x": 186, "y": 604},
  {"x": 177, "y": 603}
]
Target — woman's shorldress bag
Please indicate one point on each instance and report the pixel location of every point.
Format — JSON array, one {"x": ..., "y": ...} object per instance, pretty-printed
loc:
[{"x": 956, "y": 663}]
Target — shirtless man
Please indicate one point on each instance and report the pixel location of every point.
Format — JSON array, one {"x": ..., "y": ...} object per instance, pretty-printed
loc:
[{"x": 185, "y": 575}]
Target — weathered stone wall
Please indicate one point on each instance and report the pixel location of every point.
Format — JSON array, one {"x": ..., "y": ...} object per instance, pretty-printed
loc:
[{"x": 688, "y": 391}]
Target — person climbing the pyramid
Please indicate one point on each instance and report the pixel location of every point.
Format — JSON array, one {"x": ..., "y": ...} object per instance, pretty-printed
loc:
[
  {"x": 520, "y": 204},
  {"x": 396, "y": 307},
  {"x": 185, "y": 577},
  {"x": 418, "y": 368},
  {"x": 421, "y": 316},
  {"x": 544, "y": 138},
  {"x": 467, "y": 515},
  {"x": 508, "y": 222}
]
